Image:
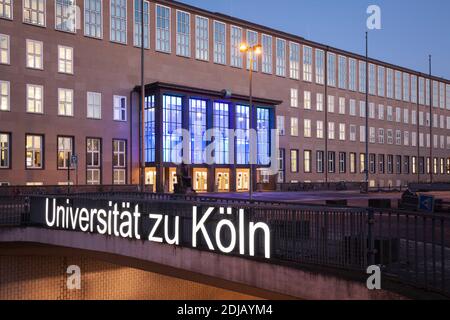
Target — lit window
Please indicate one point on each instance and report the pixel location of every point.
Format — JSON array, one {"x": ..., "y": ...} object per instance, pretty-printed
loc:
[
  {"x": 221, "y": 118},
  {"x": 197, "y": 126},
  {"x": 183, "y": 34},
  {"x": 93, "y": 18},
  {"x": 65, "y": 102},
  {"x": 294, "y": 161},
  {"x": 4, "y": 49},
  {"x": 4, "y": 96},
  {"x": 119, "y": 161},
  {"x": 65, "y": 152},
  {"x": 94, "y": 105},
  {"x": 294, "y": 98},
  {"x": 34, "y": 54},
  {"x": 138, "y": 24},
  {"x": 162, "y": 28},
  {"x": 172, "y": 116},
  {"x": 5, "y": 152},
  {"x": 252, "y": 40},
  {"x": 307, "y": 100},
  {"x": 34, "y": 12},
  {"x": 242, "y": 137},
  {"x": 294, "y": 127},
  {"x": 35, "y": 98},
  {"x": 93, "y": 161},
  {"x": 65, "y": 59},
  {"x": 307, "y": 128},
  {"x": 150, "y": 130},
  {"x": 6, "y": 9},
  {"x": 118, "y": 28},
  {"x": 120, "y": 108},
  {"x": 220, "y": 42},
  {"x": 65, "y": 15},
  {"x": 263, "y": 136},
  {"x": 201, "y": 38},
  {"x": 34, "y": 152},
  {"x": 307, "y": 161}
]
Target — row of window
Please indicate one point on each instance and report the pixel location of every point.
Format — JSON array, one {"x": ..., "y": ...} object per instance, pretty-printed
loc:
[
  {"x": 378, "y": 163},
  {"x": 35, "y": 102},
  {"x": 35, "y": 155},
  {"x": 342, "y": 72}
]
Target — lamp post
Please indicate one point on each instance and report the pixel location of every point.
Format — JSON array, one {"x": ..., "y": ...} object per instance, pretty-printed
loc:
[
  {"x": 252, "y": 51},
  {"x": 142, "y": 133}
]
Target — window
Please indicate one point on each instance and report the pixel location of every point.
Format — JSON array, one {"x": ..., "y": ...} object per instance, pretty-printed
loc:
[
  {"x": 183, "y": 34},
  {"x": 372, "y": 135},
  {"x": 197, "y": 127},
  {"x": 331, "y": 69},
  {"x": 414, "y": 165},
  {"x": 352, "y": 132},
  {"x": 35, "y": 98},
  {"x": 307, "y": 128},
  {"x": 65, "y": 152},
  {"x": 342, "y": 162},
  {"x": 94, "y": 105},
  {"x": 280, "y": 125},
  {"x": 372, "y": 163},
  {"x": 352, "y": 110},
  {"x": 307, "y": 63},
  {"x": 362, "y": 162},
  {"x": 242, "y": 139},
  {"x": 435, "y": 94},
  {"x": 372, "y": 82},
  {"x": 266, "y": 53},
  {"x": 263, "y": 136},
  {"x": 65, "y": 15},
  {"x": 447, "y": 95},
  {"x": 380, "y": 112},
  {"x": 390, "y": 137},
  {"x": 422, "y": 91},
  {"x": 307, "y": 100},
  {"x": 352, "y": 74},
  {"x": 201, "y": 38},
  {"x": 372, "y": 111},
  {"x": 294, "y": 98},
  {"x": 381, "y": 81},
  {"x": 390, "y": 83},
  {"x": 93, "y": 18},
  {"x": 236, "y": 39},
  {"x": 34, "y": 152},
  {"x": 441, "y": 95},
  {"x": 331, "y": 130},
  {"x": 320, "y": 67},
  {"x": 307, "y": 161},
  {"x": 120, "y": 108},
  {"x": 219, "y": 42},
  {"x": 252, "y": 39},
  {"x": 398, "y": 137},
  {"x": 319, "y": 161},
  {"x": 119, "y": 161},
  {"x": 362, "y": 109},
  {"x": 5, "y": 151},
  {"x": 6, "y": 9},
  {"x": 352, "y": 162},
  {"x": 93, "y": 161},
  {"x": 294, "y": 60},
  {"x": 221, "y": 118},
  {"x": 413, "y": 89},
  {"x": 118, "y": 31},
  {"x": 4, "y": 49},
  {"x": 381, "y": 163},
  {"x": 149, "y": 127},
  {"x": 281, "y": 57},
  {"x": 4, "y": 96},
  {"x": 398, "y": 85},
  {"x": 162, "y": 28},
  {"x": 294, "y": 127},
  {"x": 342, "y": 72},
  {"x": 342, "y": 131},
  {"x": 398, "y": 115},
  {"x": 389, "y": 115},
  {"x": 65, "y": 102},
  {"x": 281, "y": 157},
  {"x": 319, "y": 129},
  {"x": 34, "y": 54},
  {"x": 294, "y": 161},
  {"x": 65, "y": 59},
  {"x": 34, "y": 12},
  {"x": 362, "y": 133},
  {"x": 381, "y": 135},
  {"x": 138, "y": 24},
  {"x": 413, "y": 117},
  {"x": 319, "y": 102},
  {"x": 331, "y": 161},
  {"x": 331, "y": 104},
  {"x": 405, "y": 87},
  {"x": 362, "y": 77}
]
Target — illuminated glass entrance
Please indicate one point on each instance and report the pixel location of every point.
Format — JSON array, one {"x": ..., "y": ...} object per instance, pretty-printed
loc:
[
  {"x": 200, "y": 180},
  {"x": 223, "y": 180},
  {"x": 242, "y": 180},
  {"x": 150, "y": 177}
]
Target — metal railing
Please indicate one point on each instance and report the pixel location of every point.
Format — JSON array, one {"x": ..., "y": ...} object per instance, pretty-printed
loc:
[{"x": 410, "y": 248}]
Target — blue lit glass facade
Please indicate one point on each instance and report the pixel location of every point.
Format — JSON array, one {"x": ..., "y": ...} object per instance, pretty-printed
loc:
[
  {"x": 172, "y": 121},
  {"x": 221, "y": 116},
  {"x": 263, "y": 131},
  {"x": 197, "y": 128},
  {"x": 242, "y": 136},
  {"x": 149, "y": 127}
]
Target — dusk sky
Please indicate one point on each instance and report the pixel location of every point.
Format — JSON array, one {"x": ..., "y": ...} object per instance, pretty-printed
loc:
[{"x": 411, "y": 29}]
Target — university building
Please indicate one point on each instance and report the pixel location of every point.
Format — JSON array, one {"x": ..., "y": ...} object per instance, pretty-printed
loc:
[{"x": 70, "y": 85}]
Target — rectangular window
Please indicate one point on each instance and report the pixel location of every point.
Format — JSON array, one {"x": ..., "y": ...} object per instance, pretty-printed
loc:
[
  {"x": 381, "y": 135},
  {"x": 447, "y": 95},
  {"x": 389, "y": 115},
  {"x": 398, "y": 85},
  {"x": 35, "y": 98},
  {"x": 294, "y": 127},
  {"x": 362, "y": 109},
  {"x": 280, "y": 125},
  {"x": 362, "y": 76},
  {"x": 65, "y": 102},
  {"x": 372, "y": 82},
  {"x": 294, "y": 60},
  {"x": 65, "y": 152},
  {"x": 390, "y": 83},
  {"x": 372, "y": 163},
  {"x": 381, "y": 163},
  {"x": 435, "y": 94},
  {"x": 266, "y": 53},
  {"x": 6, "y": 11},
  {"x": 352, "y": 74},
  {"x": 319, "y": 161},
  {"x": 34, "y": 54},
  {"x": 294, "y": 98},
  {"x": 307, "y": 128},
  {"x": 242, "y": 139},
  {"x": 390, "y": 164},
  {"x": 342, "y": 162},
  {"x": 307, "y": 161},
  {"x": 422, "y": 91},
  {"x": 353, "y": 168},
  {"x": 221, "y": 116},
  {"x": 120, "y": 108},
  {"x": 162, "y": 28},
  {"x": 4, "y": 96},
  {"x": 94, "y": 105},
  {"x": 362, "y": 162},
  {"x": 362, "y": 133},
  {"x": 380, "y": 112},
  {"x": 352, "y": 132},
  {"x": 413, "y": 89},
  {"x": 331, "y": 104},
  {"x": 281, "y": 166},
  {"x": 34, "y": 12},
  {"x": 197, "y": 127},
  {"x": 236, "y": 40},
  {"x": 307, "y": 100},
  {"x": 118, "y": 30},
  {"x": 119, "y": 161},
  {"x": 183, "y": 34},
  {"x": 342, "y": 72},
  {"x": 138, "y": 24},
  {"x": 319, "y": 129},
  {"x": 5, "y": 151},
  {"x": 65, "y": 59},
  {"x": 331, "y": 69},
  {"x": 281, "y": 57},
  {"x": 380, "y": 81},
  {"x": 405, "y": 87},
  {"x": 342, "y": 131},
  {"x": 331, "y": 130},
  {"x": 220, "y": 36},
  {"x": 93, "y": 161},
  {"x": 201, "y": 38},
  {"x": 252, "y": 40},
  {"x": 149, "y": 127},
  {"x": 320, "y": 67},
  {"x": 319, "y": 102},
  {"x": 65, "y": 15},
  {"x": 390, "y": 137},
  {"x": 34, "y": 152},
  {"x": 307, "y": 63},
  {"x": 93, "y": 18},
  {"x": 4, "y": 49},
  {"x": 372, "y": 135},
  {"x": 352, "y": 108},
  {"x": 331, "y": 162},
  {"x": 442, "y": 95},
  {"x": 294, "y": 161},
  {"x": 372, "y": 111}
]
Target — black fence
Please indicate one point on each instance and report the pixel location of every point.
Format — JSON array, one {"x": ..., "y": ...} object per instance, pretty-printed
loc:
[{"x": 411, "y": 248}]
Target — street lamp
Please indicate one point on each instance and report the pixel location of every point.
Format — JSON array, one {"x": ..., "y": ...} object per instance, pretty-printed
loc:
[{"x": 252, "y": 51}]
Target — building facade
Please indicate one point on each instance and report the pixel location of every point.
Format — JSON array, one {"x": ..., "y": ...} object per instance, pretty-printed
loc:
[{"x": 69, "y": 72}]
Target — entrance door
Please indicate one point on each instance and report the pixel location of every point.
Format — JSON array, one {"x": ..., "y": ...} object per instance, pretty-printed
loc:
[
  {"x": 150, "y": 177},
  {"x": 172, "y": 178},
  {"x": 200, "y": 180},
  {"x": 223, "y": 180},
  {"x": 242, "y": 179}
]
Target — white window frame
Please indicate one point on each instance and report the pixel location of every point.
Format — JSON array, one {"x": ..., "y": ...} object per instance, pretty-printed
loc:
[
  {"x": 35, "y": 86},
  {"x": 11, "y": 10},
  {"x": 182, "y": 37},
  {"x": 8, "y": 49},
  {"x": 64, "y": 61},
  {"x": 119, "y": 109},
  {"x": 280, "y": 66},
  {"x": 101, "y": 21},
  {"x": 93, "y": 106},
  {"x": 5, "y": 97},
  {"x": 201, "y": 53},
  {"x": 67, "y": 104},
  {"x": 218, "y": 54},
  {"x": 44, "y": 12},
  {"x": 34, "y": 55},
  {"x": 74, "y": 5},
  {"x": 135, "y": 24},
  {"x": 126, "y": 24},
  {"x": 294, "y": 65}
]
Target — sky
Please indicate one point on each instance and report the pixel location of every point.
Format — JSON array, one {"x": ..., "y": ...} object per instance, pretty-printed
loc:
[{"x": 410, "y": 29}]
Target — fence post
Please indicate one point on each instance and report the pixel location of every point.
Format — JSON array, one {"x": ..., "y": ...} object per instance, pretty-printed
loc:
[{"x": 370, "y": 237}]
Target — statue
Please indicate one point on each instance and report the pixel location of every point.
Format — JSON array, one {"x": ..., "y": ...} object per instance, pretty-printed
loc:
[{"x": 184, "y": 181}]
